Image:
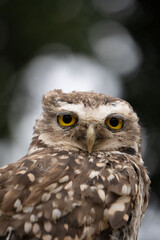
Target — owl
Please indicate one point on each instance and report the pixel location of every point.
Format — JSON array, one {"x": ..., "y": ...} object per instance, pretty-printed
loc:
[{"x": 83, "y": 177}]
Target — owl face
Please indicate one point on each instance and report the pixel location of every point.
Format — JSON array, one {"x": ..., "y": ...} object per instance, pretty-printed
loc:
[{"x": 88, "y": 121}]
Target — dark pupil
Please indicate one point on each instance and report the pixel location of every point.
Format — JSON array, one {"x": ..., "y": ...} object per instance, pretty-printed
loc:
[
  {"x": 114, "y": 122},
  {"x": 67, "y": 118}
]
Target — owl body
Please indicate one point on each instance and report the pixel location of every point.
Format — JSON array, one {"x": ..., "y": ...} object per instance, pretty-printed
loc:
[{"x": 83, "y": 176}]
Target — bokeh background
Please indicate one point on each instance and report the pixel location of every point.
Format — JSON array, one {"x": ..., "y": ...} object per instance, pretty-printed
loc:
[{"x": 109, "y": 46}]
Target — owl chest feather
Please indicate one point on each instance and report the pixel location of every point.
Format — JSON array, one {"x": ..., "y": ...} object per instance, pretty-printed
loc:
[{"x": 83, "y": 196}]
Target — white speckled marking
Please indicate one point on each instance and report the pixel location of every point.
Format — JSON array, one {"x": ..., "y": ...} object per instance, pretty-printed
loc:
[
  {"x": 126, "y": 190},
  {"x": 110, "y": 177},
  {"x": 64, "y": 179},
  {"x": 21, "y": 172},
  {"x": 39, "y": 206},
  {"x": 27, "y": 227},
  {"x": 94, "y": 174},
  {"x": 31, "y": 177},
  {"x": 40, "y": 214},
  {"x": 56, "y": 214},
  {"x": 126, "y": 217},
  {"x": 100, "y": 164},
  {"x": 101, "y": 194},
  {"x": 91, "y": 160},
  {"x": 77, "y": 172},
  {"x": 47, "y": 237},
  {"x": 33, "y": 218},
  {"x": 46, "y": 197},
  {"x": 16, "y": 187},
  {"x": 83, "y": 187},
  {"x": 58, "y": 189},
  {"x": 51, "y": 187},
  {"x": 36, "y": 228},
  {"x": 58, "y": 195},
  {"x": 54, "y": 204},
  {"x": 18, "y": 216},
  {"x": 66, "y": 226},
  {"x": 77, "y": 161},
  {"x": 48, "y": 226},
  {"x": 136, "y": 188},
  {"x": 63, "y": 157},
  {"x": 119, "y": 205},
  {"x": 71, "y": 193},
  {"x": 28, "y": 209},
  {"x": 68, "y": 186},
  {"x": 18, "y": 205}
]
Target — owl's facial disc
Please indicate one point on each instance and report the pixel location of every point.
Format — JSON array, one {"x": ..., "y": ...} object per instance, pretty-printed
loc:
[{"x": 80, "y": 126}]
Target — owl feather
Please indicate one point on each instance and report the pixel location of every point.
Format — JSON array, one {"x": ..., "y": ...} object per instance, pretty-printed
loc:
[{"x": 83, "y": 176}]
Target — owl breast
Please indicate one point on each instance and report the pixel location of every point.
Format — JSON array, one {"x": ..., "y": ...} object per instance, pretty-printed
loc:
[{"x": 84, "y": 195}]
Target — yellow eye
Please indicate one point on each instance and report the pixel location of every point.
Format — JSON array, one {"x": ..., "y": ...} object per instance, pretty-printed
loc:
[
  {"x": 114, "y": 123},
  {"x": 66, "y": 120}
]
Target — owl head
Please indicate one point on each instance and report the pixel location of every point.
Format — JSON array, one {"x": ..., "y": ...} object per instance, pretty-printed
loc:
[{"x": 86, "y": 121}]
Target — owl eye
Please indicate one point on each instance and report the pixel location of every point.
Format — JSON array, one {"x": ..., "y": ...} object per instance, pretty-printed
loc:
[
  {"x": 66, "y": 120},
  {"x": 114, "y": 122}
]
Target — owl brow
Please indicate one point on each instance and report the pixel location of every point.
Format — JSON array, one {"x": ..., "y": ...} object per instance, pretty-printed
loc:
[
  {"x": 117, "y": 116},
  {"x": 67, "y": 113}
]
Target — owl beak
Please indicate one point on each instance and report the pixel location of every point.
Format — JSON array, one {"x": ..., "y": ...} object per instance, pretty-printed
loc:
[{"x": 90, "y": 137}]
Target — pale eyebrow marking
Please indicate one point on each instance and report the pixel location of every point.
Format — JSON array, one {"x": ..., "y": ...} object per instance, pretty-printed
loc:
[{"x": 99, "y": 113}]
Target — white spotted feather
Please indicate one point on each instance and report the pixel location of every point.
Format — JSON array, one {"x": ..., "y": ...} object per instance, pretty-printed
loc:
[{"x": 64, "y": 189}]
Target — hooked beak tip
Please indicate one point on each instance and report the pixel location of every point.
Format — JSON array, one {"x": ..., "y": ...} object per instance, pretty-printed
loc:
[{"x": 89, "y": 149}]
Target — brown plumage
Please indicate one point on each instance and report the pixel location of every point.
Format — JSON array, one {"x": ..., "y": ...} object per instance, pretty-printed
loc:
[{"x": 83, "y": 176}]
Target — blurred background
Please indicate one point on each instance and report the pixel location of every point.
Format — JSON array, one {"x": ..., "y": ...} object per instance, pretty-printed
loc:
[{"x": 109, "y": 46}]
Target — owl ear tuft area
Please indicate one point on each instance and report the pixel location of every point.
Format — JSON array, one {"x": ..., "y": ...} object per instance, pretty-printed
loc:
[{"x": 50, "y": 100}]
